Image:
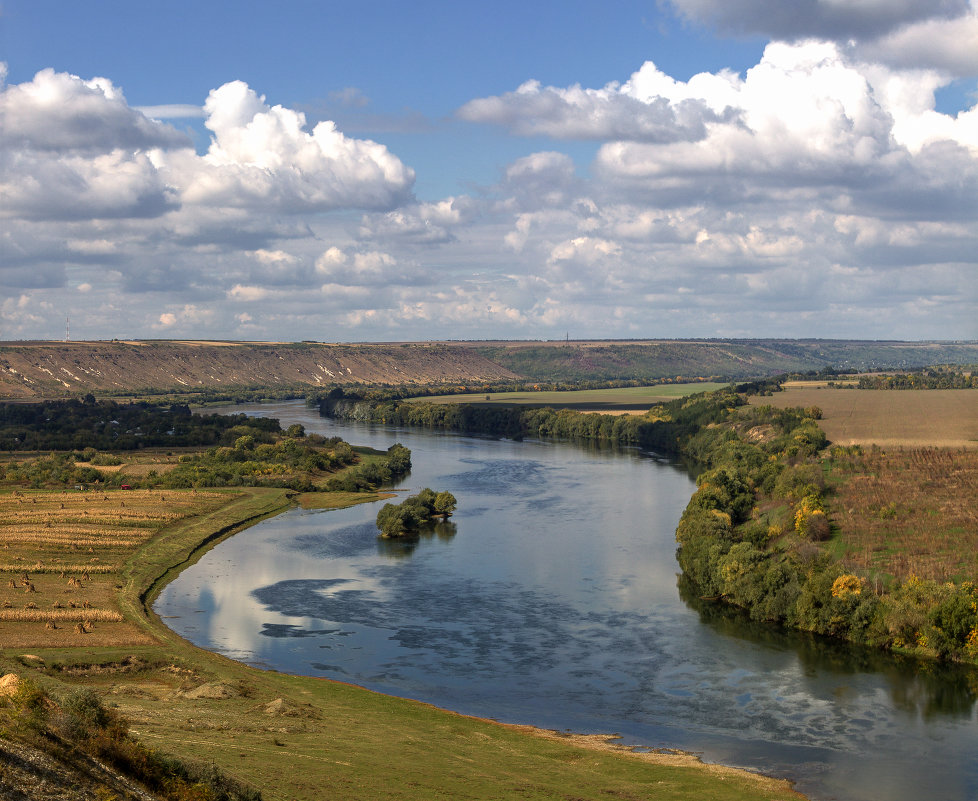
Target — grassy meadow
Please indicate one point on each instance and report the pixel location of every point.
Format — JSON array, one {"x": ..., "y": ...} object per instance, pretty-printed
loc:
[{"x": 622, "y": 400}]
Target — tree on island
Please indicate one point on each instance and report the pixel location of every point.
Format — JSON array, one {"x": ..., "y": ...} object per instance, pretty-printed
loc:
[
  {"x": 406, "y": 518},
  {"x": 445, "y": 504}
]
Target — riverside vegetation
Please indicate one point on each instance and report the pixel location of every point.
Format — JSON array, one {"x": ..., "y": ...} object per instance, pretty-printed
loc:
[
  {"x": 762, "y": 530},
  {"x": 111, "y": 683},
  {"x": 100, "y": 443}
]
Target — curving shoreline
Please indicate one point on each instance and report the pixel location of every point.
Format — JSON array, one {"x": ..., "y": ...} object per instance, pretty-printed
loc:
[{"x": 144, "y": 587}]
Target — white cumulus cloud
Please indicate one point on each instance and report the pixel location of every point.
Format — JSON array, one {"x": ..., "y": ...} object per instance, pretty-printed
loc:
[
  {"x": 262, "y": 155},
  {"x": 949, "y": 46},
  {"x": 611, "y": 112},
  {"x": 57, "y": 111},
  {"x": 807, "y": 118},
  {"x": 74, "y": 149}
]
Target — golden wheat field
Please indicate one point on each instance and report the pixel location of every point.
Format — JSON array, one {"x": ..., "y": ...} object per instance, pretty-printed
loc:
[
  {"x": 61, "y": 556},
  {"x": 946, "y": 418}
]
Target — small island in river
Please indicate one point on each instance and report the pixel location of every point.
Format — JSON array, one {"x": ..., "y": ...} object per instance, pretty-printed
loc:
[{"x": 408, "y": 517}]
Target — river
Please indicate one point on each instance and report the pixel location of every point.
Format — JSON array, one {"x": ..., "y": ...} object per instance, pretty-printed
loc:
[{"x": 551, "y": 599}]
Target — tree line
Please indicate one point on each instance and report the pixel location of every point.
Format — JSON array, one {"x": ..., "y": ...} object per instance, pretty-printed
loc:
[
  {"x": 927, "y": 379},
  {"x": 753, "y": 536},
  {"x": 76, "y": 424},
  {"x": 663, "y": 428},
  {"x": 229, "y": 450}
]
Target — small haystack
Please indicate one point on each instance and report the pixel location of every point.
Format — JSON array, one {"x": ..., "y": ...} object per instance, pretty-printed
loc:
[
  {"x": 8, "y": 684},
  {"x": 215, "y": 690}
]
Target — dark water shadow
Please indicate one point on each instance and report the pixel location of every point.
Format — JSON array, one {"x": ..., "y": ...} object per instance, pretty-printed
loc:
[
  {"x": 925, "y": 688},
  {"x": 402, "y": 547}
]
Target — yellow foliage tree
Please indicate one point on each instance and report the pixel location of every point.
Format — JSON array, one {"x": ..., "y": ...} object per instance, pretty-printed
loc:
[{"x": 846, "y": 585}]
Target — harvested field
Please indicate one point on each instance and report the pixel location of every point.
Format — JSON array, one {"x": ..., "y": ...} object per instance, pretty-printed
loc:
[
  {"x": 61, "y": 555},
  {"x": 79, "y": 614},
  {"x": 907, "y": 511},
  {"x": 946, "y": 418}
]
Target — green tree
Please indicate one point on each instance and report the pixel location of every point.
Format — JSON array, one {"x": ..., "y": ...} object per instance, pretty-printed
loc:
[{"x": 445, "y": 503}]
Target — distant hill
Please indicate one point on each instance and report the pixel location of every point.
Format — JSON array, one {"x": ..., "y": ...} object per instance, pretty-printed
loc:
[
  {"x": 58, "y": 369},
  {"x": 723, "y": 359}
]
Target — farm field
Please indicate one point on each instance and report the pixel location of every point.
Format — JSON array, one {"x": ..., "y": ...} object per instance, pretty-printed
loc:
[
  {"x": 903, "y": 512},
  {"x": 622, "y": 400},
  {"x": 934, "y": 417},
  {"x": 62, "y": 556}
]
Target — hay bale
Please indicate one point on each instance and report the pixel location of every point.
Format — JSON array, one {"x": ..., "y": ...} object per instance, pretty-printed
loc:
[
  {"x": 214, "y": 690},
  {"x": 278, "y": 708},
  {"x": 8, "y": 684},
  {"x": 283, "y": 708}
]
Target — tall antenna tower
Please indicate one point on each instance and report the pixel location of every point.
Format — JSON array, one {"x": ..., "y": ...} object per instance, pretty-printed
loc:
[{"x": 67, "y": 328}]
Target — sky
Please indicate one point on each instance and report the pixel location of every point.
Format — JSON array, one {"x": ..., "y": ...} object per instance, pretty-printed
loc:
[{"x": 391, "y": 171}]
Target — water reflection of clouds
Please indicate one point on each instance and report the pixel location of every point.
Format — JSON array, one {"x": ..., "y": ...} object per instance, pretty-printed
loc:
[{"x": 223, "y": 581}]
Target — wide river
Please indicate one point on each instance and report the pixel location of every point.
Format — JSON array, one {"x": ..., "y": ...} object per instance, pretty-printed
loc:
[{"x": 552, "y": 599}]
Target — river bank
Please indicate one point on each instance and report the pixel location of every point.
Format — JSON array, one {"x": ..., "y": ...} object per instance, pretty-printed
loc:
[{"x": 296, "y": 737}]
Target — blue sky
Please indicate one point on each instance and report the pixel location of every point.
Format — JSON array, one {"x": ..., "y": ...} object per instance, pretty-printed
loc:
[
  {"x": 411, "y": 64},
  {"x": 518, "y": 170}
]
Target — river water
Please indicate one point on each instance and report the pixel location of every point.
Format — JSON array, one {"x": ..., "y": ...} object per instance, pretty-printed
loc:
[{"x": 551, "y": 598}]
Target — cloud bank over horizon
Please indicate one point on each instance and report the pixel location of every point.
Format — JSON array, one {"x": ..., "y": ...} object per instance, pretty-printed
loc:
[{"x": 819, "y": 192}]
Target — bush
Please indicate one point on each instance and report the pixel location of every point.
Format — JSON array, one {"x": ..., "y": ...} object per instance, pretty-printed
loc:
[
  {"x": 796, "y": 481},
  {"x": 726, "y": 490},
  {"x": 31, "y": 705},
  {"x": 954, "y": 620},
  {"x": 817, "y": 527}
]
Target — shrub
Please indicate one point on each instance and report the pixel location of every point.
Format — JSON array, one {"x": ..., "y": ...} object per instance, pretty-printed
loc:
[
  {"x": 810, "y": 519},
  {"x": 846, "y": 585},
  {"x": 797, "y": 481},
  {"x": 817, "y": 527},
  {"x": 726, "y": 490},
  {"x": 954, "y": 620}
]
